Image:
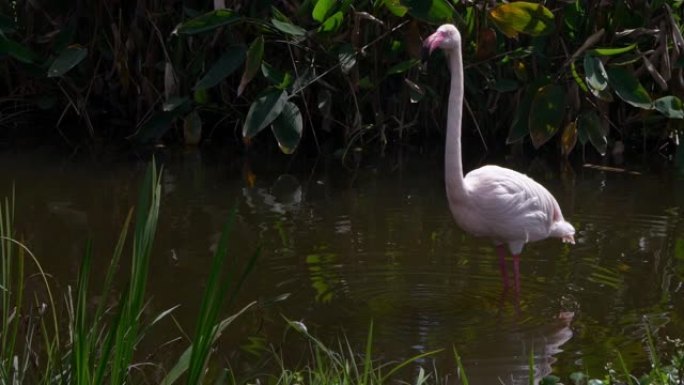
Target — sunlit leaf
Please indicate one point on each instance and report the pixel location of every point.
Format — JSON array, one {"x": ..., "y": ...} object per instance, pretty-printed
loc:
[
  {"x": 255, "y": 54},
  {"x": 207, "y": 22},
  {"x": 281, "y": 80},
  {"x": 395, "y": 7},
  {"x": 546, "y": 113},
  {"x": 287, "y": 128},
  {"x": 67, "y": 59},
  {"x": 322, "y": 9},
  {"x": 192, "y": 128},
  {"x": 288, "y": 28},
  {"x": 347, "y": 58},
  {"x": 432, "y": 11},
  {"x": 628, "y": 88},
  {"x": 403, "y": 66},
  {"x": 16, "y": 50},
  {"x": 590, "y": 126},
  {"x": 595, "y": 73},
  {"x": 332, "y": 23},
  {"x": 569, "y": 138},
  {"x": 613, "y": 51},
  {"x": 670, "y": 106},
  {"x": 222, "y": 68},
  {"x": 523, "y": 17},
  {"x": 577, "y": 77},
  {"x": 263, "y": 112}
]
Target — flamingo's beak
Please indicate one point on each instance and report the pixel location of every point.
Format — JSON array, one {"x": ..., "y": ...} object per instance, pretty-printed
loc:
[{"x": 430, "y": 44}]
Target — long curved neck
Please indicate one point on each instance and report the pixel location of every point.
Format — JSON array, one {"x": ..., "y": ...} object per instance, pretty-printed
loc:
[{"x": 453, "y": 170}]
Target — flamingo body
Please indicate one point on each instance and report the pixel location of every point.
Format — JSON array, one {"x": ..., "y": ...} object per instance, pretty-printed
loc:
[
  {"x": 504, "y": 205},
  {"x": 508, "y": 207}
]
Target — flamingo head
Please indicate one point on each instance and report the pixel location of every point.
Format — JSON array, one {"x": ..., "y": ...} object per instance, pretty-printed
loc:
[{"x": 446, "y": 37}]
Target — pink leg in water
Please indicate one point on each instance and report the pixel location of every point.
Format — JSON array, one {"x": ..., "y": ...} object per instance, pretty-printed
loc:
[
  {"x": 501, "y": 250},
  {"x": 516, "y": 272}
]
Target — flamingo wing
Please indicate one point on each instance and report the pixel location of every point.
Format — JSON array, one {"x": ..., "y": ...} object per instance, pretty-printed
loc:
[{"x": 512, "y": 207}]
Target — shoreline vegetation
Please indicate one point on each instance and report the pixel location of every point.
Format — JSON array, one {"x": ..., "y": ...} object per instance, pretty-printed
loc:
[
  {"x": 50, "y": 337},
  {"x": 342, "y": 76}
]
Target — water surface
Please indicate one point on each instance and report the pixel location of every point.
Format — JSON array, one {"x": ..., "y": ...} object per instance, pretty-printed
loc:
[{"x": 342, "y": 247}]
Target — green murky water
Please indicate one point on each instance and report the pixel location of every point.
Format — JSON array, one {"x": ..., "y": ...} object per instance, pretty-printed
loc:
[{"x": 347, "y": 246}]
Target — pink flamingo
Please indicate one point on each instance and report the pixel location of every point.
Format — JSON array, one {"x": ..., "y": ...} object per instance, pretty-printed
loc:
[{"x": 491, "y": 201}]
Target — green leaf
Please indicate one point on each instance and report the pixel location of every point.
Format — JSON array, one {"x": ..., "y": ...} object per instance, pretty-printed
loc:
[
  {"x": 288, "y": 28},
  {"x": 332, "y": 23},
  {"x": 158, "y": 124},
  {"x": 432, "y": 11},
  {"x": 546, "y": 113},
  {"x": 577, "y": 77},
  {"x": 347, "y": 58},
  {"x": 612, "y": 51},
  {"x": 174, "y": 102},
  {"x": 550, "y": 380},
  {"x": 402, "y": 67},
  {"x": 577, "y": 377},
  {"x": 16, "y": 50},
  {"x": 287, "y": 128},
  {"x": 519, "y": 128},
  {"x": 321, "y": 9},
  {"x": 207, "y": 22},
  {"x": 628, "y": 88},
  {"x": 523, "y": 17},
  {"x": 595, "y": 73},
  {"x": 200, "y": 96},
  {"x": 222, "y": 68},
  {"x": 67, "y": 60},
  {"x": 590, "y": 126},
  {"x": 281, "y": 80},
  {"x": 254, "y": 56},
  {"x": 395, "y": 7},
  {"x": 7, "y": 25},
  {"x": 670, "y": 106},
  {"x": 263, "y": 112},
  {"x": 505, "y": 85}
]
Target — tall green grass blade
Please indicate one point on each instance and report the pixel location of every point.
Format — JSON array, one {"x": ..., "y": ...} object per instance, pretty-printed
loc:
[
  {"x": 459, "y": 365},
  {"x": 212, "y": 300},
  {"x": 530, "y": 367},
  {"x": 81, "y": 341},
  {"x": 183, "y": 362},
  {"x": 629, "y": 379},
  {"x": 408, "y": 361},
  {"x": 367, "y": 364},
  {"x": 128, "y": 328}
]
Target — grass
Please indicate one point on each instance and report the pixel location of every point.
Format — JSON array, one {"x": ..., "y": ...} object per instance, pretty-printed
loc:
[{"x": 43, "y": 341}]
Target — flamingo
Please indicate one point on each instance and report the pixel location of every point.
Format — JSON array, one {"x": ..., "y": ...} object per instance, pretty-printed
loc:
[{"x": 495, "y": 202}]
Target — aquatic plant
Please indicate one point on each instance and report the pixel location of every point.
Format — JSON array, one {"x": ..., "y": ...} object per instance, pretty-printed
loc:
[{"x": 100, "y": 346}]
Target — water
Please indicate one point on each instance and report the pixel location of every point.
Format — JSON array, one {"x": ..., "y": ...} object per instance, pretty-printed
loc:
[{"x": 344, "y": 246}]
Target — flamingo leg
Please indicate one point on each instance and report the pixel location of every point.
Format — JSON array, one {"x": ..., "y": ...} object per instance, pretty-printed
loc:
[
  {"x": 501, "y": 250},
  {"x": 516, "y": 272}
]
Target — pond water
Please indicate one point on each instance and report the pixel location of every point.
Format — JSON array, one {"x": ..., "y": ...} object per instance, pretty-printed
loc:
[{"x": 342, "y": 247}]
